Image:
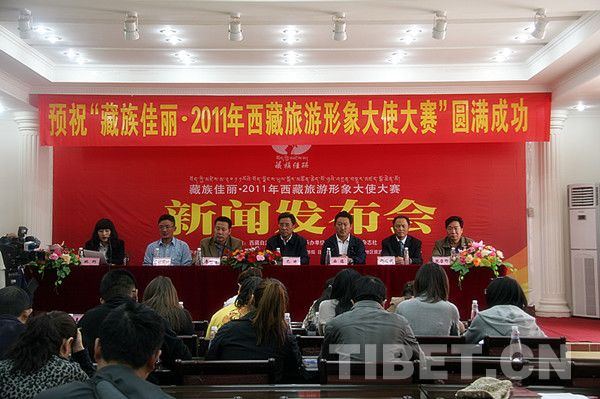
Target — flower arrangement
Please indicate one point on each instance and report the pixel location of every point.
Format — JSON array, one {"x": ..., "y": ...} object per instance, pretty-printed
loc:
[
  {"x": 251, "y": 257},
  {"x": 56, "y": 258},
  {"x": 477, "y": 254}
]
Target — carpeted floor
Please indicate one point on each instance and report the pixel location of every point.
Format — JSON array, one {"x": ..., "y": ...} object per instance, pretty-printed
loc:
[{"x": 575, "y": 329}]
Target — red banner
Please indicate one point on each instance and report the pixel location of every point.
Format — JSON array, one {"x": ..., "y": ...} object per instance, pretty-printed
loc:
[
  {"x": 67, "y": 120},
  {"x": 483, "y": 183}
]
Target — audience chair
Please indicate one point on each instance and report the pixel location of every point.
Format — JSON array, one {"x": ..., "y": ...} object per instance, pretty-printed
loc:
[
  {"x": 441, "y": 345},
  {"x": 200, "y": 327},
  {"x": 310, "y": 345},
  {"x": 352, "y": 372},
  {"x": 539, "y": 346},
  {"x": 203, "y": 346},
  {"x": 585, "y": 373},
  {"x": 191, "y": 341},
  {"x": 224, "y": 372},
  {"x": 299, "y": 331}
]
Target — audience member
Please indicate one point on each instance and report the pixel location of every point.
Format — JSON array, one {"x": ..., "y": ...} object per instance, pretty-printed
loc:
[
  {"x": 15, "y": 308},
  {"x": 222, "y": 241},
  {"x": 395, "y": 244},
  {"x": 368, "y": 323},
  {"x": 106, "y": 240},
  {"x": 506, "y": 308},
  {"x": 408, "y": 292},
  {"x": 261, "y": 334},
  {"x": 429, "y": 312},
  {"x": 454, "y": 238},
  {"x": 160, "y": 294},
  {"x": 118, "y": 287},
  {"x": 168, "y": 246},
  {"x": 342, "y": 243},
  {"x": 127, "y": 351},
  {"x": 341, "y": 296},
  {"x": 244, "y": 303},
  {"x": 39, "y": 358},
  {"x": 218, "y": 318},
  {"x": 289, "y": 243},
  {"x": 311, "y": 321}
]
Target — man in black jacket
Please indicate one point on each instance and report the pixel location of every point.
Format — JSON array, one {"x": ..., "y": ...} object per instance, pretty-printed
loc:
[
  {"x": 397, "y": 243},
  {"x": 343, "y": 243},
  {"x": 289, "y": 243},
  {"x": 118, "y": 287}
]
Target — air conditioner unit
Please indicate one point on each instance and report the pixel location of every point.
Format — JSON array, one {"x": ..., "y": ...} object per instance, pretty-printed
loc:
[{"x": 584, "y": 227}]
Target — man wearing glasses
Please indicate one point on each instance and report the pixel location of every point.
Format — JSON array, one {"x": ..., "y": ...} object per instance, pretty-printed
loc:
[
  {"x": 289, "y": 244},
  {"x": 168, "y": 246},
  {"x": 454, "y": 238}
]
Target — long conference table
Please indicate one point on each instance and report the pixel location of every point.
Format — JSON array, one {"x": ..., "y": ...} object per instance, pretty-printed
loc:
[{"x": 204, "y": 288}]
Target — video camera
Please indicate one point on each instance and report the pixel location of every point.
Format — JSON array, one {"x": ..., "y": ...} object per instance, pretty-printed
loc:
[{"x": 18, "y": 250}]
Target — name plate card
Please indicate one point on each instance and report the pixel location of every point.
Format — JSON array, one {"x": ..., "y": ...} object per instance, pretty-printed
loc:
[
  {"x": 211, "y": 261},
  {"x": 161, "y": 262},
  {"x": 386, "y": 260},
  {"x": 442, "y": 260},
  {"x": 339, "y": 261},
  {"x": 89, "y": 261},
  {"x": 291, "y": 261}
]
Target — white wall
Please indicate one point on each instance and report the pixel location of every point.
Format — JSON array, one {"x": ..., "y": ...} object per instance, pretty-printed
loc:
[
  {"x": 9, "y": 176},
  {"x": 579, "y": 163}
]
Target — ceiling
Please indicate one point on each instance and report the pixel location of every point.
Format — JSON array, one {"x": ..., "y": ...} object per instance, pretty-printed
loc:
[{"x": 566, "y": 61}]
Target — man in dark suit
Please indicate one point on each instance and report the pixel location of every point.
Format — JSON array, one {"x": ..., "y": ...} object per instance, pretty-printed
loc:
[
  {"x": 289, "y": 243},
  {"x": 342, "y": 243},
  {"x": 395, "y": 244}
]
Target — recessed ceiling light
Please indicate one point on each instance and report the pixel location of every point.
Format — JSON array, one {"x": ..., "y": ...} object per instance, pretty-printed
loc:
[
  {"x": 580, "y": 106},
  {"x": 185, "y": 57},
  {"x": 168, "y": 31},
  {"x": 53, "y": 38},
  {"x": 2, "y": 109},
  {"x": 71, "y": 53},
  {"x": 396, "y": 57},
  {"x": 413, "y": 31},
  {"x": 291, "y": 58},
  {"x": 290, "y": 35},
  {"x": 502, "y": 55},
  {"x": 173, "y": 40},
  {"x": 44, "y": 30},
  {"x": 408, "y": 39}
]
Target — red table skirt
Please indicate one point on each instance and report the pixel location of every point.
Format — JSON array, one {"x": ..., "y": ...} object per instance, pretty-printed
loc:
[{"x": 204, "y": 288}]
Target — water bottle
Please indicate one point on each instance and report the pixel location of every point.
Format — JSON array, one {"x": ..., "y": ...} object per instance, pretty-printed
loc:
[
  {"x": 406, "y": 257},
  {"x": 125, "y": 260},
  {"x": 474, "y": 309},
  {"x": 156, "y": 253},
  {"x": 213, "y": 332},
  {"x": 279, "y": 262},
  {"x": 453, "y": 253},
  {"x": 181, "y": 304},
  {"x": 80, "y": 252},
  {"x": 288, "y": 320},
  {"x": 199, "y": 256},
  {"x": 516, "y": 352},
  {"x": 328, "y": 256}
]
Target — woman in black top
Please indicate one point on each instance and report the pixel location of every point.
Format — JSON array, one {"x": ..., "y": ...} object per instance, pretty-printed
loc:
[
  {"x": 261, "y": 334},
  {"x": 105, "y": 239}
]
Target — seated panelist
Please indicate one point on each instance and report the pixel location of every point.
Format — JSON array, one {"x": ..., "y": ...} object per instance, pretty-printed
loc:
[
  {"x": 289, "y": 243},
  {"x": 222, "y": 241},
  {"x": 399, "y": 241},
  {"x": 342, "y": 243},
  {"x": 106, "y": 240},
  {"x": 168, "y": 246},
  {"x": 454, "y": 238}
]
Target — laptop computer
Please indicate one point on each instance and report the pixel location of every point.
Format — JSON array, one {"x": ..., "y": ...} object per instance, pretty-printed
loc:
[{"x": 88, "y": 253}]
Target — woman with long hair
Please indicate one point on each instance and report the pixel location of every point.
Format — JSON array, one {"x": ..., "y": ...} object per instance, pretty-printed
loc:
[
  {"x": 39, "y": 359},
  {"x": 341, "y": 297},
  {"x": 160, "y": 294},
  {"x": 106, "y": 240},
  {"x": 430, "y": 312},
  {"x": 310, "y": 320},
  {"x": 261, "y": 334},
  {"x": 506, "y": 303}
]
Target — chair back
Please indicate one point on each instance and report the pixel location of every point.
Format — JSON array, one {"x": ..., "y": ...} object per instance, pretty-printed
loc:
[
  {"x": 225, "y": 372},
  {"x": 191, "y": 341},
  {"x": 200, "y": 327},
  {"x": 585, "y": 373},
  {"x": 354, "y": 372},
  {"x": 441, "y": 345},
  {"x": 533, "y": 347}
]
